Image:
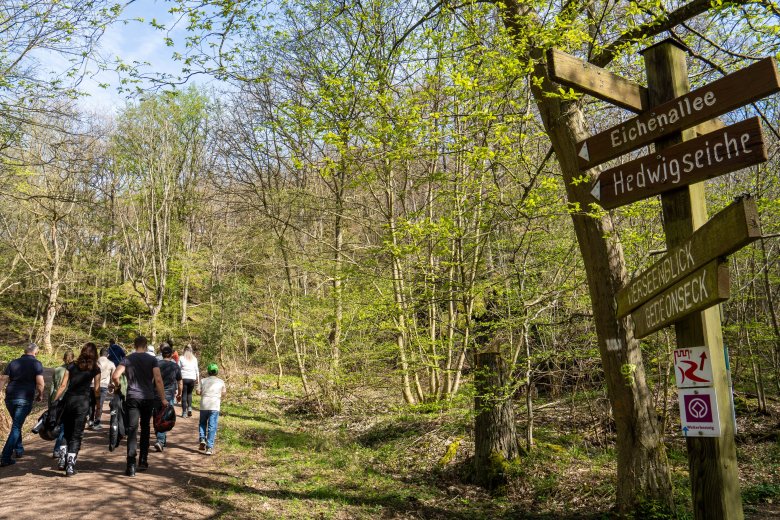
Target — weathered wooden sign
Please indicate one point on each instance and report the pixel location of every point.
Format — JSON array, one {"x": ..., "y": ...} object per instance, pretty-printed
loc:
[
  {"x": 601, "y": 83},
  {"x": 717, "y": 153},
  {"x": 719, "y": 97},
  {"x": 699, "y": 290},
  {"x": 728, "y": 231}
]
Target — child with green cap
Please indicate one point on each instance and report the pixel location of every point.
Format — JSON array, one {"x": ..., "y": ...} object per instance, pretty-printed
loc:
[{"x": 211, "y": 390}]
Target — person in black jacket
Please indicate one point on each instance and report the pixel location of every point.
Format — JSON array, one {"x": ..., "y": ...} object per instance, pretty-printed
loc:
[
  {"x": 80, "y": 384},
  {"x": 171, "y": 376}
]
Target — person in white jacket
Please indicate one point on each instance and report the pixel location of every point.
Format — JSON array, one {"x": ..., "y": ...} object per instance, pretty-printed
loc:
[
  {"x": 190, "y": 376},
  {"x": 211, "y": 390}
]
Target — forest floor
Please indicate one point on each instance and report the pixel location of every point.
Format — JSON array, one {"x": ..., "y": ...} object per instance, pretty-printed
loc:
[{"x": 274, "y": 459}]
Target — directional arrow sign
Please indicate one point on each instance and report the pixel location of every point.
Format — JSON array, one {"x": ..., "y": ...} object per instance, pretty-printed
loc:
[
  {"x": 728, "y": 231},
  {"x": 692, "y": 367},
  {"x": 719, "y": 97},
  {"x": 701, "y": 289},
  {"x": 717, "y": 153}
]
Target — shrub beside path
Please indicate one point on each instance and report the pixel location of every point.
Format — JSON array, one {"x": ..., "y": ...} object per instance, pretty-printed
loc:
[{"x": 34, "y": 488}]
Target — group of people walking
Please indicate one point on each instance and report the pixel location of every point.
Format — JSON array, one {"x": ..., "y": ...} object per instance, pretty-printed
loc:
[{"x": 81, "y": 385}]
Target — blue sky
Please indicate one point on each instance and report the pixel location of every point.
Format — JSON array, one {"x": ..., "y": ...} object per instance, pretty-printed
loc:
[{"x": 131, "y": 40}]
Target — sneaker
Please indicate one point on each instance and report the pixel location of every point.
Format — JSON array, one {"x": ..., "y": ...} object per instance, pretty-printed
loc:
[
  {"x": 97, "y": 427},
  {"x": 19, "y": 453},
  {"x": 5, "y": 463},
  {"x": 158, "y": 446},
  {"x": 61, "y": 463},
  {"x": 208, "y": 451},
  {"x": 143, "y": 465},
  {"x": 202, "y": 445},
  {"x": 189, "y": 413}
]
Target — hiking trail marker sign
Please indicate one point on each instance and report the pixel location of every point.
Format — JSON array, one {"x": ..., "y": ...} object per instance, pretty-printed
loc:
[
  {"x": 699, "y": 416},
  {"x": 692, "y": 367}
]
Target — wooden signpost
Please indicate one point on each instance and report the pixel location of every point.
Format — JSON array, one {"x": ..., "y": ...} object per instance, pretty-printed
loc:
[
  {"x": 717, "y": 153},
  {"x": 684, "y": 287},
  {"x": 699, "y": 290},
  {"x": 719, "y": 97},
  {"x": 728, "y": 231}
]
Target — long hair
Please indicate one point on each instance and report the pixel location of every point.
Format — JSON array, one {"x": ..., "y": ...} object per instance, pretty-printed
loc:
[
  {"x": 88, "y": 357},
  {"x": 188, "y": 355}
]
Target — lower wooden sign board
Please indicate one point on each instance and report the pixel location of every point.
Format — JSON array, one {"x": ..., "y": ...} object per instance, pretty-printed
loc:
[
  {"x": 699, "y": 290},
  {"x": 717, "y": 153},
  {"x": 728, "y": 231},
  {"x": 699, "y": 415}
]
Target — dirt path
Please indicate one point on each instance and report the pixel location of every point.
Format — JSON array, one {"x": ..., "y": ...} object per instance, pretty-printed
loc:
[{"x": 33, "y": 488}]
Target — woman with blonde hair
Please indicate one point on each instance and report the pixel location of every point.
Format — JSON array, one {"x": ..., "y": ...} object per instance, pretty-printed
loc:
[
  {"x": 190, "y": 376},
  {"x": 79, "y": 383}
]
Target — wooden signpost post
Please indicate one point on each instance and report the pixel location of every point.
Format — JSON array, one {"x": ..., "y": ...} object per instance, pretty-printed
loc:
[{"x": 684, "y": 287}]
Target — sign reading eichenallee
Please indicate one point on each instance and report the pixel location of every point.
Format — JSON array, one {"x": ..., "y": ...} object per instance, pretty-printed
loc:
[{"x": 719, "y": 97}]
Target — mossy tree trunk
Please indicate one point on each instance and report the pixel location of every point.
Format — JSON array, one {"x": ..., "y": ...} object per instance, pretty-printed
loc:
[{"x": 495, "y": 439}]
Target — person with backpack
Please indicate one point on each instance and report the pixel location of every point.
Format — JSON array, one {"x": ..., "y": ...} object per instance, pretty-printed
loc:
[
  {"x": 211, "y": 390},
  {"x": 143, "y": 379},
  {"x": 24, "y": 380},
  {"x": 115, "y": 353},
  {"x": 171, "y": 376},
  {"x": 60, "y": 449},
  {"x": 190, "y": 374},
  {"x": 80, "y": 384}
]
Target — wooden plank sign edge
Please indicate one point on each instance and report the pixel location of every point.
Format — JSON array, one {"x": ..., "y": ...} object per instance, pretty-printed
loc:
[
  {"x": 699, "y": 290},
  {"x": 715, "y": 99},
  {"x": 573, "y": 72},
  {"x": 717, "y": 153},
  {"x": 728, "y": 231}
]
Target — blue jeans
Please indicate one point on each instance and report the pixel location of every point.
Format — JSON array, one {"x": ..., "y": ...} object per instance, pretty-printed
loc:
[
  {"x": 208, "y": 426},
  {"x": 169, "y": 395},
  {"x": 60, "y": 440},
  {"x": 18, "y": 409}
]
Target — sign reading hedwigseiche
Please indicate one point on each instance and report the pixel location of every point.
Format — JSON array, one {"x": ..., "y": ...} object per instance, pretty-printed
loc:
[
  {"x": 692, "y": 367},
  {"x": 699, "y": 412},
  {"x": 717, "y": 153},
  {"x": 715, "y": 99}
]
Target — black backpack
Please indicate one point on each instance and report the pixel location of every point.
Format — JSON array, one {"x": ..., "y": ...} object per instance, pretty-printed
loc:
[{"x": 116, "y": 431}]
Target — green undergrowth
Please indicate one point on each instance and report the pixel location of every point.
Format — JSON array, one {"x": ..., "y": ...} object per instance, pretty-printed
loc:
[{"x": 276, "y": 460}]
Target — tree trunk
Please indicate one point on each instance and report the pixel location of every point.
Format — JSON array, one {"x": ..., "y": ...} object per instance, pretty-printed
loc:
[
  {"x": 51, "y": 313},
  {"x": 495, "y": 439},
  {"x": 642, "y": 468}
]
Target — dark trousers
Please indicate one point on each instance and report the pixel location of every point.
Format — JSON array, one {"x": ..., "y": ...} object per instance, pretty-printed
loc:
[
  {"x": 136, "y": 409},
  {"x": 73, "y": 418},
  {"x": 188, "y": 387}
]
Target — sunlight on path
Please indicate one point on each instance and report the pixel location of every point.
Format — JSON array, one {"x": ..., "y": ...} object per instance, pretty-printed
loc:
[{"x": 34, "y": 488}]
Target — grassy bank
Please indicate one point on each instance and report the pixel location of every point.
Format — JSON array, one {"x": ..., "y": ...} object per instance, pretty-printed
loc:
[{"x": 275, "y": 462}]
